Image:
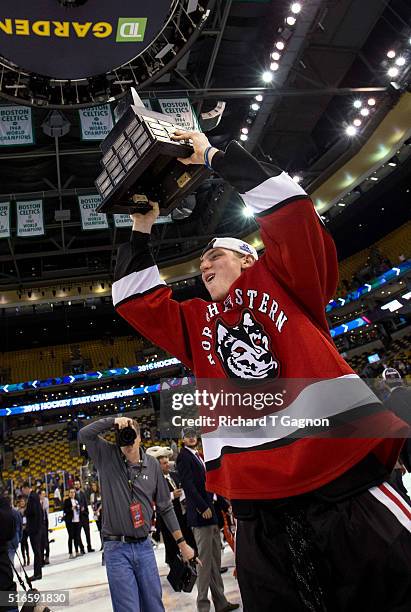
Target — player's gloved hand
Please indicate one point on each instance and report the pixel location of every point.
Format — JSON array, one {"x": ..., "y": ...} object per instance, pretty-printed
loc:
[{"x": 200, "y": 142}]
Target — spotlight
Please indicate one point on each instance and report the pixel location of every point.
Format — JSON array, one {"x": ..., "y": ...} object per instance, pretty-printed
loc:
[
  {"x": 244, "y": 130},
  {"x": 296, "y": 178},
  {"x": 295, "y": 8},
  {"x": 391, "y": 53},
  {"x": 290, "y": 20},
  {"x": 243, "y": 137},
  {"x": 364, "y": 112},
  {"x": 351, "y": 130},
  {"x": 267, "y": 76},
  {"x": 393, "y": 72},
  {"x": 259, "y": 98},
  {"x": 357, "y": 122},
  {"x": 400, "y": 61},
  {"x": 255, "y": 107},
  {"x": 275, "y": 56},
  {"x": 371, "y": 102},
  {"x": 374, "y": 178},
  {"x": 247, "y": 212},
  {"x": 280, "y": 45},
  {"x": 357, "y": 104},
  {"x": 274, "y": 66}
]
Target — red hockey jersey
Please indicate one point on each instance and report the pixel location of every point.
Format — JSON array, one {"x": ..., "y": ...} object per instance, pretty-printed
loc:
[{"x": 283, "y": 298}]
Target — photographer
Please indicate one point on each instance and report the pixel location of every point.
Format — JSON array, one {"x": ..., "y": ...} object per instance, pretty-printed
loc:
[{"x": 130, "y": 482}]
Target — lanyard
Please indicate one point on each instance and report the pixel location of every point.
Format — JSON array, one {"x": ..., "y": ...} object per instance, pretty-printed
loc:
[{"x": 131, "y": 480}]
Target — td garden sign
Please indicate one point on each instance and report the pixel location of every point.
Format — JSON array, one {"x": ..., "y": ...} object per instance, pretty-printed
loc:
[{"x": 86, "y": 39}]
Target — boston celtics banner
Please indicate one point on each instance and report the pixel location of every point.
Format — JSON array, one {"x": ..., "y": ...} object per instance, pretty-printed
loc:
[
  {"x": 180, "y": 111},
  {"x": 90, "y": 219},
  {"x": 96, "y": 122},
  {"x": 30, "y": 218},
  {"x": 15, "y": 126},
  {"x": 4, "y": 219}
]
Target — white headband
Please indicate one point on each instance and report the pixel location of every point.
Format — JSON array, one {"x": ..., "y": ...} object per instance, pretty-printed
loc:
[{"x": 233, "y": 244}]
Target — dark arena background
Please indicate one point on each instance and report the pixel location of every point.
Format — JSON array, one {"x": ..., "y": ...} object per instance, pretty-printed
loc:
[{"x": 319, "y": 88}]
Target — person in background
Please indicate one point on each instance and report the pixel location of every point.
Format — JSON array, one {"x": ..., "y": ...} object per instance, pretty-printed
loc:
[
  {"x": 16, "y": 539},
  {"x": 84, "y": 517},
  {"x": 57, "y": 498},
  {"x": 6, "y": 534},
  {"x": 202, "y": 518},
  {"x": 24, "y": 544},
  {"x": 45, "y": 547},
  {"x": 96, "y": 505},
  {"x": 71, "y": 516},
  {"x": 34, "y": 515}
]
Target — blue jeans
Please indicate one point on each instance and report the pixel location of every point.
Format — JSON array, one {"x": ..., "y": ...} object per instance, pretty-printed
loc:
[{"x": 133, "y": 577}]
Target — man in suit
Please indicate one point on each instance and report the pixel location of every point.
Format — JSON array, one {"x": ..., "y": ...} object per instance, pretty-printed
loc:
[
  {"x": 201, "y": 516},
  {"x": 84, "y": 518},
  {"x": 163, "y": 454},
  {"x": 34, "y": 515}
]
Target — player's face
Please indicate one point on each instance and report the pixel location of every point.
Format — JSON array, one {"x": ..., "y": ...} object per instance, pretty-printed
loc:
[{"x": 219, "y": 269}]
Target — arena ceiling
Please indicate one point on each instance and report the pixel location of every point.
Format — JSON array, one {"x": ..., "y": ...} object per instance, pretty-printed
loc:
[{"x": 334, "y": 54}]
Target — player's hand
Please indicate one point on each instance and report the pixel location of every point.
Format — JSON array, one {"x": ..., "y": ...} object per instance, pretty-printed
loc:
[
  {"x": 144, "y": 222},
  {"x": 188, "y": 553},
  {"x": 199, "y": 142},
  {"x": 177, "y": 493},
  {"x": 207, "y": 514},
  {"x": 122, "y": 422}
]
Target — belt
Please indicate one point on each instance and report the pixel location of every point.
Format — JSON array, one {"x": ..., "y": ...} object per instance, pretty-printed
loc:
[{"x": 127, "y": 539}]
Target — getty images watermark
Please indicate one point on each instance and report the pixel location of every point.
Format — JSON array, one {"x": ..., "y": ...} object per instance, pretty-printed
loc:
[{"x": 294, "y": 408}]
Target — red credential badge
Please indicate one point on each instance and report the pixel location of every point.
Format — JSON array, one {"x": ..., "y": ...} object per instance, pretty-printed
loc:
[{"x": 136, "y": 515}]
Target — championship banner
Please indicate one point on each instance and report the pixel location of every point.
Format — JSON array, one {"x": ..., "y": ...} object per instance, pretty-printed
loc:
[
  {"x": 15, "y": 126},
  {"x": 122, "y": 220},
  {"x": 181, "y": 112},
  {"x": 96, "y": 122},
  {"x": 90, "y": 219},
  {"x": 4, "y": 219},
  {"x": 30, "y": 218}
]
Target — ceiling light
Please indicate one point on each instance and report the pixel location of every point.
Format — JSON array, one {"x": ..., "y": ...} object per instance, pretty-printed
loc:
[
  {"x": 393, "y": 72},
  {"x": 280, "y": 45},
  {"x": 290, "y": 20},
  {"x": 247, "y": 212},
  {"x": 276, "y": 56},
  {"x": 371, "y": 101},
  {"x": 295, "y": 8},
  {"x": 392, "y": 163},
  {"x": 296, "y": 178},
  {"x": 357, "y": 103},
  {"x": 274, "y": 66},
  {"x": 267, "y": 76},
  {"x": 244, "y": 130},
  {"x": 255, "y": 107},
  {"x": 243, "y": 137},
  {"x": 351, "y": 130},
  {"x": 391, "y": 54},
  {"x": 364, "y": 112},
  {"x": 357, "y": 122},
  {"x": 374, "y": 178},
  {"x": 400, "y": 61},
  {"x": 259, "y": 98}
]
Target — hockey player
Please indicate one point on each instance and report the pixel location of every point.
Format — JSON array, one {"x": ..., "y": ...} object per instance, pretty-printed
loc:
[{"x": 318, "y": 527}]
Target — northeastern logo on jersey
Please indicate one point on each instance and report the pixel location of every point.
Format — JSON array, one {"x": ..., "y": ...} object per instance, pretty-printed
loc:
[{"x": 244, "y": 350}]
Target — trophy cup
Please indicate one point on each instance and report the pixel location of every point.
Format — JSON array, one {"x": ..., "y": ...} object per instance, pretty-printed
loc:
[{"x": 140, "y": 158}]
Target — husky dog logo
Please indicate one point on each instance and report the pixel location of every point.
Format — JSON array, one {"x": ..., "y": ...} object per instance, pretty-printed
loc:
[{"x": 244, "y": 350}]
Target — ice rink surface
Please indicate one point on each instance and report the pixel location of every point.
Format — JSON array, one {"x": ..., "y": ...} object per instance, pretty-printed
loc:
[{"x": 86, "y": 580}]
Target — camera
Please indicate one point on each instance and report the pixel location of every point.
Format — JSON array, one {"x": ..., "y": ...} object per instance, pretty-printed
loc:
[{"x": 125, "y": 436}]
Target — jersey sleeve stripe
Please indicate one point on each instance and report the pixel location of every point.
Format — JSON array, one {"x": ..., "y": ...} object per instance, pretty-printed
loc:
[
  {"x": 272, "y": 192},
  {"x": 136, "y": 283}
]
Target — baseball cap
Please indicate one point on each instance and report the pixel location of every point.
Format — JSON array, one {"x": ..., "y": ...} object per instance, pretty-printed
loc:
[
  {"x": 159, "y": 451},
  {"x": 189, "y": 432},
  {"x": 233, "y": 244},
  {"x": 391, "y": 375}
]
